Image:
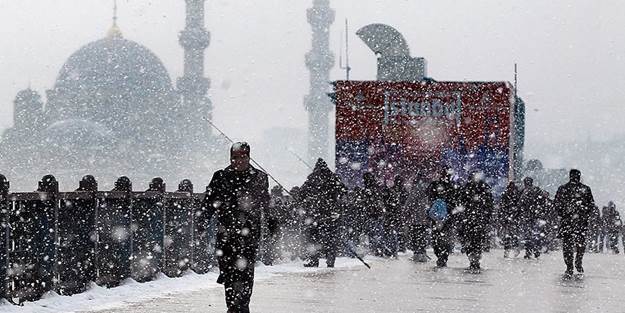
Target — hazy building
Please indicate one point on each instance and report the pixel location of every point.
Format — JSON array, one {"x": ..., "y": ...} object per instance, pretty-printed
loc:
[{"x": 114, "y": 110}]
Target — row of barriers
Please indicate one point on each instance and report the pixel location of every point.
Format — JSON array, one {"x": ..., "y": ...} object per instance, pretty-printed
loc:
[{"x": 63, "y": 241}]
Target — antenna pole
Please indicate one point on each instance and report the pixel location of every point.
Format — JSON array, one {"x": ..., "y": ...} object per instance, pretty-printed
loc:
[{"x": 345, "y": 67}]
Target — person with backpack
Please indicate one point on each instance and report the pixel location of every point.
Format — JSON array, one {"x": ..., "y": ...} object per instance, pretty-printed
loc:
[
  {"x": 477, "y": 200},
  {"x": 441, "y": 196}
]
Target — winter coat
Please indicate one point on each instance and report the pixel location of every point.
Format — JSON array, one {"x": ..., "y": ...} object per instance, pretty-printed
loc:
[
  {"x": 321, "y": 194},
  {"x": 574, "y": 204},
  {"x": 417, "y": 204},
  {"x": 509, "y": 212},
  {"x": 238, "y": 199},
  {"x": 477, "y": 202},
  {"x": 395, "y": 203},
  {"x": 531, "y": 204}
]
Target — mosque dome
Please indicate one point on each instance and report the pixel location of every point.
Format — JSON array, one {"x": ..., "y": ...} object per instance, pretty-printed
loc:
[{"x": 112, "y": 81}]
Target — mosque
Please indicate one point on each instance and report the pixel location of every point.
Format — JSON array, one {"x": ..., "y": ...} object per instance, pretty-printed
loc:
[{"x": 114, "y": 111}]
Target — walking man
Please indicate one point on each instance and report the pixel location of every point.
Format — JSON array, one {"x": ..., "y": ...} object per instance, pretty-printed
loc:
[
  {"x": 239, "y": 196},
  {"x": 574, "y": 203}
]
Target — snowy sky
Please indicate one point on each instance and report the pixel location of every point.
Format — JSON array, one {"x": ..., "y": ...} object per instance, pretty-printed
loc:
[{"x": 570, "y": 53}]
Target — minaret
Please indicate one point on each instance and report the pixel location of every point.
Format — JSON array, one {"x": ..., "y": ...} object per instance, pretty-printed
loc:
[
  {"x": 193, "y": 86},
  {"x": 319, "y": 62}
]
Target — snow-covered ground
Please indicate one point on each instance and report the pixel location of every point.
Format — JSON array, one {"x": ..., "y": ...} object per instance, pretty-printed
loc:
[
  {"x": 506, "y": 285},
  {"x": 99, "y": 298}
]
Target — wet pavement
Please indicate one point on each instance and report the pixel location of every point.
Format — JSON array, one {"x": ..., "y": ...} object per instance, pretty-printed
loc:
[{"x": 505, "y": 285}]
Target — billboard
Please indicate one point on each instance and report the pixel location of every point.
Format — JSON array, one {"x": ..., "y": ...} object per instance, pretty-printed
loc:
[{"x": 417, "y": 128}]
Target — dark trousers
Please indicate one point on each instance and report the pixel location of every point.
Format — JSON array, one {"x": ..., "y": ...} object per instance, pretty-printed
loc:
[
  {"x": 573, "y": 248},
  {"x": 236, "y": 266},
  {"x": 510, "y": 237},
  {"x": 323, "y": 239},
  {"x": 419, "y": 238},
  {"x": 474, "y": 244},
  {"x": 441, "y": 241},
  {"x": 532, "y": 240}
]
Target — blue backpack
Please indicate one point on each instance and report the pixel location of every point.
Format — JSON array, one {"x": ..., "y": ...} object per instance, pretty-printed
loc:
[{"x": 438, "y": 210}]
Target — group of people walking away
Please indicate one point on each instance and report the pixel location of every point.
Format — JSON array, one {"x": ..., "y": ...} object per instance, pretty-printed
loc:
[{"x": 324, "y": 219}]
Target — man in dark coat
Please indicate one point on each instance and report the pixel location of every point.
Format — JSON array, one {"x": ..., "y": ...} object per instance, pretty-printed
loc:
[
  {"x": 574, "y": 203},
  {"x": 509, "y": 218},
  {"x": 321, "y": 194},
  {"x": 477, "y": 200},
  {"x": 531, "y": 204},
  {"x": 239, "y": 196},
  {"x": 442, "y": 189}
]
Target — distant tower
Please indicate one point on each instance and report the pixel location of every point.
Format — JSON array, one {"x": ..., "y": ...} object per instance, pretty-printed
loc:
[
  {"x": 193, "y": 86},
  {"x": 319, "y": 62}
]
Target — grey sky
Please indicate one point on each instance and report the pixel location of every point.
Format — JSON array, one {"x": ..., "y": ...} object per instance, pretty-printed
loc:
[{"x": 570, "y": 53}]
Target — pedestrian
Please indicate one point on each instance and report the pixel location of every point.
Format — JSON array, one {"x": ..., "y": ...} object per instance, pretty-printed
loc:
[
  {"x": 419, "y": 222},
  {"x": 477, "y": 200},
  {"x": 509, "y": 218},
  {"x": 321, "y": 194},
  {"x": 613, "y": 224},
  {"x": 574, "y": 203},
  {"x": 441, "y": 191},
  {"x": 238, "y": 195},
  {"x": 270, "y": 237},
  {"x": 595, "y": 225},
  {"x": 531, "y": 203},
  {"x": 374, "y": 208},
  {"x": 395, "y": 203}
]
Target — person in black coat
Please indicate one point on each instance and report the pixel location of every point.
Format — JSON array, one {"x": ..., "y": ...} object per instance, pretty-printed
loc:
[
  {"x": 442, "y": 189},
  {"x": 373, "y": 205},
  {"x": 477, "y": 200},
  {"x": 509, "y": 218},
  {"x": 574, "y": 203},
  {"x": 321, "y": 194},
  {"x": 238, "y": 195},
  {"x": 531, "y": 203}
]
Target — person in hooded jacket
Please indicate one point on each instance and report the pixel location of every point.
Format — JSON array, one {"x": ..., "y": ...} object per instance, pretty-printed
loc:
[
  {"x": 443, "y": 189},
  {"x": 321, "y": 194},
  {"x": 239, "y": 196},
  {"x": 477, "y": 200},
  {"x": 574, "y": 204},
  {"x": 509, "y": 218}
]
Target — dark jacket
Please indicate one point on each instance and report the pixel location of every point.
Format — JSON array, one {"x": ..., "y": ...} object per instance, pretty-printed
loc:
[
  {"x": 574, "y": 203},
  {"x": 477, "y": 200},
  {"x": 532, "y": 204},
  {"x": 238, "y": 199},
  {"x": 321, "y": 194},
  {"x": 509, "y": 212}
]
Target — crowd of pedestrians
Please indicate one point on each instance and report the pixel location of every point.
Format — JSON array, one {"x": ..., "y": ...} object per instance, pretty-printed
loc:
[{"x": 323, "y": 219}]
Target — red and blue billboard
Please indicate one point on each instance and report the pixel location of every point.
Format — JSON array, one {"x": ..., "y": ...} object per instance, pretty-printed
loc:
[{"x": 417, "y": 128}]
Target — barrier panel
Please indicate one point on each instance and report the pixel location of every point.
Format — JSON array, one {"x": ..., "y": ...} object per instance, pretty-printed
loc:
[
  {"x": 76, "y": 244},
  {"x": 113, "y": 239},
  {"x": 4, "y": 234},
  {"x": 178, "y": 232},
  {"x": 31, "y": 253},
  {"x": 147, "y": 235},
  {"x": 203, "y": 258}
]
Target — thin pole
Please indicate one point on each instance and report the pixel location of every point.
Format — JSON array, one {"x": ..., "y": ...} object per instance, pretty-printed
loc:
[{"x": 347, "y": 68}]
